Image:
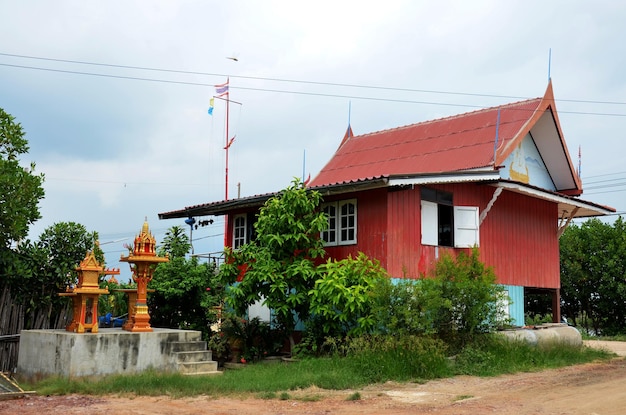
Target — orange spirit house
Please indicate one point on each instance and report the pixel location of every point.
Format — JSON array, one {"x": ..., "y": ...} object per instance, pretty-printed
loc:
[
  {"x": 143, "y": 261},
  {"x": 86, "y": 294}
]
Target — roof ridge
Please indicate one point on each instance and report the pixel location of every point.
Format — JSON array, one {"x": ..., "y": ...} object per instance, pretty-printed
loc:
[
  {"x": 450, "y": 117},
  {"x": 431, "y": 137}
]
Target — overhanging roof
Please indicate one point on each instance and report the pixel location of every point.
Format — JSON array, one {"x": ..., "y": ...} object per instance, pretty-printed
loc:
[
  {"x": 225, "y": 206},
  {"x": 567, "y": 205}
]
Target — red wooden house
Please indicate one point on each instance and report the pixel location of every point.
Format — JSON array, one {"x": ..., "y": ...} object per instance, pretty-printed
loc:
[{"x": 499, "y": 178}]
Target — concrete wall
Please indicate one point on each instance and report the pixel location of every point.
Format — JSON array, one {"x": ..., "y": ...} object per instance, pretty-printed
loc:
[{"x": 111, "y": 350}]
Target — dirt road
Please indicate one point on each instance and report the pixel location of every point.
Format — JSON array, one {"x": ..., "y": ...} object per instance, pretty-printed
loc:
[{"x": 594, "y": 388}]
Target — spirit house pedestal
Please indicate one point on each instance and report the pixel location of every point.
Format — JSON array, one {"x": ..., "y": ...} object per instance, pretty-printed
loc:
[
  {"x": 86, "y": 294},
  {"x": 142, "y": 260}
]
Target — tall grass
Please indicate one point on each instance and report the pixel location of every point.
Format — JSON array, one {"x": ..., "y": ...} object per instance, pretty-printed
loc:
[
  {"x": 494, "y": 355},
  {"x": 361, "y": 362}
]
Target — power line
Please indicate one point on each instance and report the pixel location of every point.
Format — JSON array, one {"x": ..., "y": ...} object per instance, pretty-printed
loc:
[
  {"x": 62, "y": 179},
  {"x": 258, "y": 78},
  {"x": 603, "y": 175},
  {"x": 405, "y": 101}
]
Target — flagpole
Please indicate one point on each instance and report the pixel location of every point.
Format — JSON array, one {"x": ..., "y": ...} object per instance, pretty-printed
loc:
[{"x": 227, "y": 146}]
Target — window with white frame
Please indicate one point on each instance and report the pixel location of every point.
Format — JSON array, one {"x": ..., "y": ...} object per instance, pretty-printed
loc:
[
  {"x": 239, "y": 231},
  {"x": 444, "y": 224},
  {"x": 342, "y": 220}
]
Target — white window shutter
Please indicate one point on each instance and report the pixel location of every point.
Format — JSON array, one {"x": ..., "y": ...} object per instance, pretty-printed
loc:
[
  {"x": 430, "y": 233},
  {"x": 466, "y": 227}
]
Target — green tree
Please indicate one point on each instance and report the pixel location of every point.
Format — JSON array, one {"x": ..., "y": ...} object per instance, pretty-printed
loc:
[
  {"x": 20, "y": 188},
  {"x": 279, "y": 265},
  {"x": 46, "y": 267},
  {"x": 593, "y": 276},
  {"x": 186, "y": 291}
]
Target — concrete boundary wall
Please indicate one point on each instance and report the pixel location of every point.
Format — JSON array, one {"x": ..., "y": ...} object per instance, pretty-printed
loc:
[{"x": 111, "y": 350}]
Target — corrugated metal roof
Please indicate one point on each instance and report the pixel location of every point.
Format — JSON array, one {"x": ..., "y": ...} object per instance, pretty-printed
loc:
[{"x": 456, "y": 143}]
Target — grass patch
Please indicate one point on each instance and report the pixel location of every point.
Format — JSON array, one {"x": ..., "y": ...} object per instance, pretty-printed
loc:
[
  {"x": 365, "y": 361},
  {"x": 356, "y": 396},
  {"x": 267, "y": 395},
  {"x": 462, "y": 397},
  {"x": 310, "y": 398},
  {"x": 617, "y": 338},
  {"x": 495, "y": 355}
]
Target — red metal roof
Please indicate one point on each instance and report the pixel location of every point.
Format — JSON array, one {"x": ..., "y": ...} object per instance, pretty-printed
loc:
[{"x": 456, "y": 143}]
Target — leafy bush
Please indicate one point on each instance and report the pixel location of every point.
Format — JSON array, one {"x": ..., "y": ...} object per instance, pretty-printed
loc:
[
  {"x": 403, "y": 309},
  {"x": 343, "y": 298},
  {"x": 251, "y": 339},
  {"x": 459, "y": 300},
  {"x": 470, "y": 301}
]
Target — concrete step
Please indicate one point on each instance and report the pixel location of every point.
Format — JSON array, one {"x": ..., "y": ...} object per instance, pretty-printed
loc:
[
  {"x": 197, "y": 368},
  {"x": 194, "y": 356},
  {"x": 188, "y": 346}
]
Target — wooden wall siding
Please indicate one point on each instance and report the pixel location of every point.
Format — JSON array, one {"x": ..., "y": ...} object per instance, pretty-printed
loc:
[
  {"x": 518, "y": 236},
  {"x": 371, "y": 227},
  {"x": 404, "y": 233}
]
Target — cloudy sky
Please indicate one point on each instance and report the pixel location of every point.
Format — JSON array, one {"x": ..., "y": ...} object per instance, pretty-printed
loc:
[{"x": 113, "y": 95}]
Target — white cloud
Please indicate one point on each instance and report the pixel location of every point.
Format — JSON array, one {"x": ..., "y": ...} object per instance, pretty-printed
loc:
[{"x": 117, "y": 150}]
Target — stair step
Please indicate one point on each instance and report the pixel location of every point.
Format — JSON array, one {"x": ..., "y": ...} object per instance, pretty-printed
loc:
[
  {"x": 194, "y": 368},
  {"x": 194, "y": 356},
  {"x": 188, "y": 346}
]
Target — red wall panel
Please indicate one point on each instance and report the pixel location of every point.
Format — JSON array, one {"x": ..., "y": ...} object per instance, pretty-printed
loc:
[
  {"x": 517, "y": 238},
  {"x": 371, "y": 226}
]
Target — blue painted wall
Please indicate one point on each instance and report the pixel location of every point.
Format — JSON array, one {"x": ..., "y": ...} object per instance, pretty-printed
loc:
[{"x": 516, "y": 309}]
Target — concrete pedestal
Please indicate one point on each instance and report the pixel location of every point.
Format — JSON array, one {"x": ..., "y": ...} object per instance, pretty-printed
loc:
[{"x": 112, "y": 350}]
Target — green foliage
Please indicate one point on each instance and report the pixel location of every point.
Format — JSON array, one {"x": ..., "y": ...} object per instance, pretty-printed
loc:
[
  {"x": 186, "y": 291},
  {"x": 175, "y": 243},
  {"x": 115, "y": 302},
  {"x": 492, "y": 354},
  {"x": 463, "y": 297},
  {"x": 20, "y": 188},
  {"x": 279, "y": 264},
  {"x": 251, "y": 339},
  {"x": 45, "y": 268},
  {"x": 403, "y": 308},
  {"x": 343, "y": 298},
  {"x": 459, "y": 300},
  {"x": 593, "y": 266},
  {"x": 401, "y": 358}
]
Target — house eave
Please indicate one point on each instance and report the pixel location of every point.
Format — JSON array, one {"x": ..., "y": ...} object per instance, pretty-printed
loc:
[
  {"x": 567, "y": 205},
  {"x": 217, "y": 208},
  {"x": 450, "y": 177},
  {"x": 226, "y": 206}
]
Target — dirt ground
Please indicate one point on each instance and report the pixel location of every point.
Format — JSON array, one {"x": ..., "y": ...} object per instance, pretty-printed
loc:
[{"x": 591, "y": 389}]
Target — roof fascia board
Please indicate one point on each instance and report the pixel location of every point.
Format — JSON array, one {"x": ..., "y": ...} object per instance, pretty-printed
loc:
[
  {"x": 455, "y": 177},
  {"x": 547, "y": 103},
  {"x": 226, "y": 206},
  {"x": 516, "y": 187}
]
